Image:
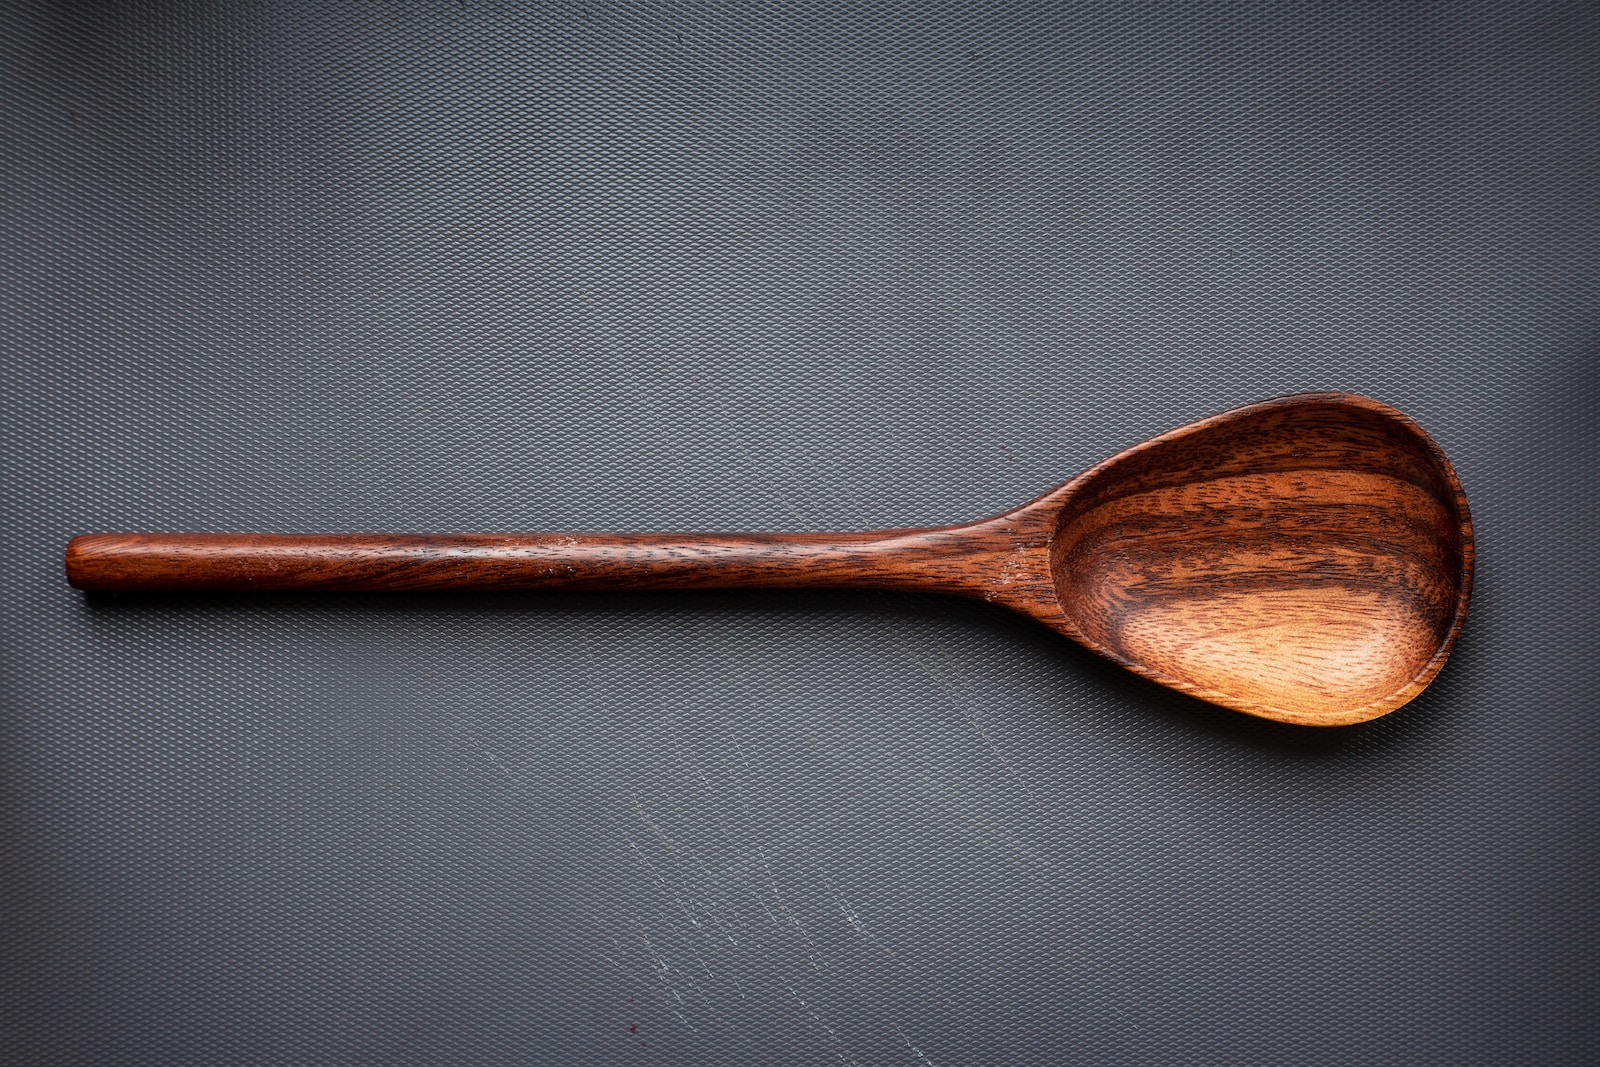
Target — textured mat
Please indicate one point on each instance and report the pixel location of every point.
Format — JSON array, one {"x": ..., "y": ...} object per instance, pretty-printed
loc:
[{"x": 487, "y": 265}]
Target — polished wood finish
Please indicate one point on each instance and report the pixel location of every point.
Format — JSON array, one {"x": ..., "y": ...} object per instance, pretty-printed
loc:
[{"x": 1307, "y": 559}]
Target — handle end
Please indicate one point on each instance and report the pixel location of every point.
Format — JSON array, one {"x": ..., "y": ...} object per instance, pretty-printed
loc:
[{"x": 103, "y": 562}]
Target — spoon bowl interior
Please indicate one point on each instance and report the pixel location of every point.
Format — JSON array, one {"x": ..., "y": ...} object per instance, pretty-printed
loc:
[{"x": 1307, "y": 559}]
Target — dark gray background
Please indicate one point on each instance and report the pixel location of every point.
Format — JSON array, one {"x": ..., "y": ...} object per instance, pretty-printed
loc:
[{"x": 600, "y": 265}]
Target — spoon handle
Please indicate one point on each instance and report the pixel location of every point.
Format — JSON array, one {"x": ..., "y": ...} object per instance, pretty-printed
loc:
[{"x": 955, "y": 559}]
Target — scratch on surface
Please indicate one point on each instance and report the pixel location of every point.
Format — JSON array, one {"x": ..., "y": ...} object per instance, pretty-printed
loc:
[
  {"x": 704, "y": 999},
  {"x": 793, "y": 919},
  {"x": 839, "y": 1051},
  {"x": 664, "y": 971},
  {"x": 659, "y": 964},
  {"x": 684, "y": 906},
  {"x": 714, "y": 909},
  {"x": 616, "y": 943},
  {"x": 854, "y": 920},
  {"x": 701, "y": 960},
  {"x": 637, "y": 851},
  {"x": 744, "y": 759},
  {"x": 482, "y": 748},
  {"x": 914, "y": 1049},
  {"x": 692, "y": 909},
  {"x": 689, "y": 761},
  {"x": 655, "y": 827}
]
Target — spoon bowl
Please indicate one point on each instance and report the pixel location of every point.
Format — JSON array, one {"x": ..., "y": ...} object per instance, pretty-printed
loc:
[{"x": 1306, "y": 559}]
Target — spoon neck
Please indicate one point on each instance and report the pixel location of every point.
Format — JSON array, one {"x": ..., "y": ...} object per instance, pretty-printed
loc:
[
  {"x": 1004, "y": 560},
  {"x": 997, "y": 559}
]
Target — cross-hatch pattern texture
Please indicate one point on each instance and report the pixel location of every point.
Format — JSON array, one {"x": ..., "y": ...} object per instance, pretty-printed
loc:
[{"x": 493, "y": 265}]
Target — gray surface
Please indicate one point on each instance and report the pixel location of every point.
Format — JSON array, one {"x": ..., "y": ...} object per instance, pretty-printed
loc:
[{"x": 501, "y": 266}]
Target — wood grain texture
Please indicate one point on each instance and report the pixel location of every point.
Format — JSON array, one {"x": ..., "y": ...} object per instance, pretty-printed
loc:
[
  {"x": 1308, "y": 559},
  {"x": 954, "y": 559}
]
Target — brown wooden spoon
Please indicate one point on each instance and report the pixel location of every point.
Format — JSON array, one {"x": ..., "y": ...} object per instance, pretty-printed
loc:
[{"x": 1306, "y": 559}]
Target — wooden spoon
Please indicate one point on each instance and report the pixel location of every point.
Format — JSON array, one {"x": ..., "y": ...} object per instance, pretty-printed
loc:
[{"x": 1306, "y": 559}]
